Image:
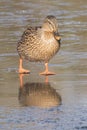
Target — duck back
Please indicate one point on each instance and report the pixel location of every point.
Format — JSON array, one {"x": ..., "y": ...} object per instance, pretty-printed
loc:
[{"x": 37, "y": 45}]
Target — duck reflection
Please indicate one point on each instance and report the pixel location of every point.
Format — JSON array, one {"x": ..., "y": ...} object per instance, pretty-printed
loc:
[{"x": 38, "y": 94}]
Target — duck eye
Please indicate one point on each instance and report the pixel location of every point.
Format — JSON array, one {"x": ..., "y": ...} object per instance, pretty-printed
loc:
[{"x": 49, "y": 22}]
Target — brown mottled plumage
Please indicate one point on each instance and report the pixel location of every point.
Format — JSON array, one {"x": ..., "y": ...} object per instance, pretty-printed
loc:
[
  {"x": 39, "y": 43},
  {"x": 39, "y": 94}
]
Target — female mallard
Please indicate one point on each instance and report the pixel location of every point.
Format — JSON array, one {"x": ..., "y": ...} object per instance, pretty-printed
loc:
[{"x": 39, "y": 44}]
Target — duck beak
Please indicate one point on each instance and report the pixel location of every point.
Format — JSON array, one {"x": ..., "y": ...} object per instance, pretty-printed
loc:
[
  {"x": 59, "y": 41},
  {"x": 57, "y": 36}
]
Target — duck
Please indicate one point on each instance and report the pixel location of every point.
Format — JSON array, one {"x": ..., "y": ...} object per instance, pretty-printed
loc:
[
  {"x": 39, "y": 94},
  {"x": 39, "y": 44}
]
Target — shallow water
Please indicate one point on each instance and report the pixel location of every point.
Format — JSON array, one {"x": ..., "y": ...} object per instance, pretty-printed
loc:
[{"x": 28, "y": 102}]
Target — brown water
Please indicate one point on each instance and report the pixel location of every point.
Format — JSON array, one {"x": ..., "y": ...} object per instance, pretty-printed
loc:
[{"x": 68, "y": 87}]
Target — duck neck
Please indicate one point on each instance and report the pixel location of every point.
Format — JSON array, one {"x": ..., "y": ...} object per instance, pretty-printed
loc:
[{"x": 47, "y": 36}]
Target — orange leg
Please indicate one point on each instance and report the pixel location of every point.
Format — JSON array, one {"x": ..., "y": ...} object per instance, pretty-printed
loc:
[
  {"x": 21, "y": 69},
  {"x": 46, "y": 79},
  {"x": 21, "y": 80},
  {"x": 47, "y": 72}
]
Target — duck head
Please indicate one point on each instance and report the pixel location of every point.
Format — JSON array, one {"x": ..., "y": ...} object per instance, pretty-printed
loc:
[{"x": 51, "y": 25}]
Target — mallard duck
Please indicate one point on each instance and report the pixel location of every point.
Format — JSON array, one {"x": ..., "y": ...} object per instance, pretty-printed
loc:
[
  {"x": 38, "y": 94},
  {"x": 39, "y": 43}
]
